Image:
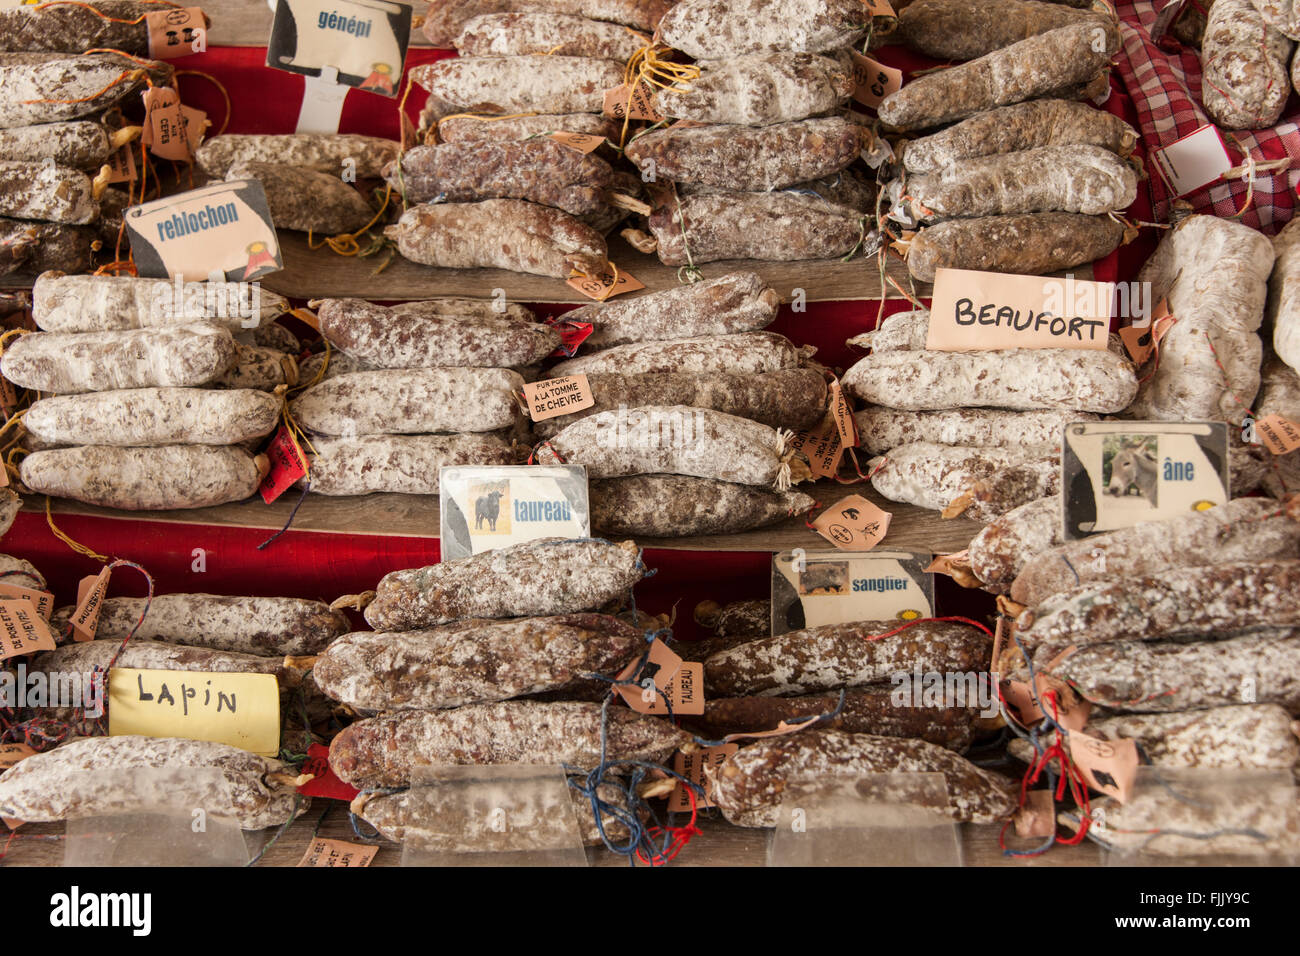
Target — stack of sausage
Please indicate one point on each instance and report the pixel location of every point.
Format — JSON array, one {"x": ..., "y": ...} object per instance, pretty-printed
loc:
[
  {"x": 887, "y": 722},
  {"x": 1026, "y": 179},
  {"x": 756, "y": 167},
  {"x": 694, "y": 409},
  {"x": 154, "y": 404},
  {"x": 175, "y": 632},
  {"x": 413, "y": 387},
  {"x": 1183, "y": 635},
  {"x": 975, "y": 433},
  {"x": 1248, "y": 62},
  {"x": 484, "y": 662},
  {"x": 490, "y": 186},
  {"x": 308, "y": 177},
  {"x": 59, "y": 123}
]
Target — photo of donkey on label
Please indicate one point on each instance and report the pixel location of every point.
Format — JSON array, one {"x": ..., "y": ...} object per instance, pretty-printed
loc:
[{"x": 1130, "y": 465}]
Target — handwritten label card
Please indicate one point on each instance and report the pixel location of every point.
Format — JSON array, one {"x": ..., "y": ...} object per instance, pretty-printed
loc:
[
  {"x": 972, "y": 311},
  {"x": 242, "y": 710},
  {"x": 23, "y": 630}
]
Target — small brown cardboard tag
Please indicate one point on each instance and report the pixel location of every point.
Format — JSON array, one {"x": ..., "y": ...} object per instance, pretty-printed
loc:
[
  {"x": 605, "y": 285},
  {"x": 122, "y": 165},
  {"x": 821, "y": 446},
  {"x": 660, "y": 668},
  {"x": 1037, "y": 818},
  {"x": 582, "y": 142},
  {"x": 842, "y": 412},
  {"x": 872, "y": 80},
  {"x": 972, "y": 311},
  {"x": 90, "y": 601},
  {"x": 879, "y": 8},
  {"x": 10, "y": 754},
  {"x": 853, "y": 524},
  {"x": 176, "y": 32},
  {"x": 691, "y": 766},
  {"x": 943, "y": 563},
  {"x": 558, "y": 396},
  {"x": 1279, "y": 435},
  {"x": 42, "y": 600},
  {"x": 1141, "y": 341},
  {"x": 164, "y": 124},
  {"x": 639, "y": 105},
  {"x": 288, "y": 464},
  {"x": 338, "y": 854},
  {"x": 22, "y": 630},
  {"x": 1020, "y": 697},
  {"x": 1109, "y": 766},
  {"x": 196, "y": 126},
  {"x": 685, "y": 692}
]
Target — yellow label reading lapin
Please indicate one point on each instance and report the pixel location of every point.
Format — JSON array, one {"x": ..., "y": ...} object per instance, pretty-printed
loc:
[{"x": 242, "y": 710}]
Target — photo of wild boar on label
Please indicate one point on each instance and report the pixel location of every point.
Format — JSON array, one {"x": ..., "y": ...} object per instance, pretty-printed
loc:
[
  {"x": 811, "y": 588},
  {"x": 365, "y": 40},
  {"x": 223, "y": 227},
  {"x": 1116, "y": 474}
]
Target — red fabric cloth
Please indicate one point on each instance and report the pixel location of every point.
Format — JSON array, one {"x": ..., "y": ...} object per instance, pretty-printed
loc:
[{"x": 1166, "y": 92}]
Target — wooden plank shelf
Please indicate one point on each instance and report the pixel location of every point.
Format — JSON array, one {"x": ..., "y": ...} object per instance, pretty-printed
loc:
[
  {"x": 912, "y": 528},
  {"x": 720, "y": 844},
  {"x": 320, "y": 273}
]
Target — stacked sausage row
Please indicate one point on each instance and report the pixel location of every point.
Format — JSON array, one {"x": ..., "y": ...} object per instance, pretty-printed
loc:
[{"x": 155, "y": 403}]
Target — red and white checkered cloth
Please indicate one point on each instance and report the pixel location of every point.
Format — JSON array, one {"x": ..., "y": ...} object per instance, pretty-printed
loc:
[{"x": 1166, "y": 90}]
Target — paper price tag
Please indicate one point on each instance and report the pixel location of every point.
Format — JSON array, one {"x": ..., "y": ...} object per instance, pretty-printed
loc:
[
  {"x": 288, "y": 464},
  {"x": 638, "y": 104},
  {"x": 1037, "y": 818},
  {"x": 43, "y": 601},
  {"x": 22, "y": 630},
  {"x": 879, "y": 8},
  {"x": 872, "y": 80},
  {"x": 90, "y": 601},
  {"x": 822, "y": 447},
  {"x": 10, "y": 754},
  {"x": 842, "y": 412},
  {"x": 685, "y": 692},
  {"x": 604, "y": 285},
  {"x": 1109, "y": 766},
  {"x": 1279, "y": 435},
  {"x": 1196, "y": 160},
  {"x": 242, "y": 710},
  {"x": 122, "y": 165},
  {"x": 691, "y": 766},
  {"x": 1141, "y": 341},
  {"x": 558, "y": 396},
  {"x": 661, "y": 666},
  {"x": 324, "y": 781},
  {"x": 196, "y": 126},
  {"x": 179, "y": 31},
  {"x": 337, "y": 853},
  {"x": 973, "y": 310},
  {"x": 853, "y": 524},
  {"x": 582, "y": 142},
  {"x": 164, "y": 124}
]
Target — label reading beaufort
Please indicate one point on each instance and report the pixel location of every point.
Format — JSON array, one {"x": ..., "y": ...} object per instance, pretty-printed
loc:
[
  {"x": 364, "y": 40},
  {"x": 242, "y": 710},
  {"x": 223, "y": 227},
  {"x": 552, "y": 397},
  {"x": 973, "y": 311}
]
